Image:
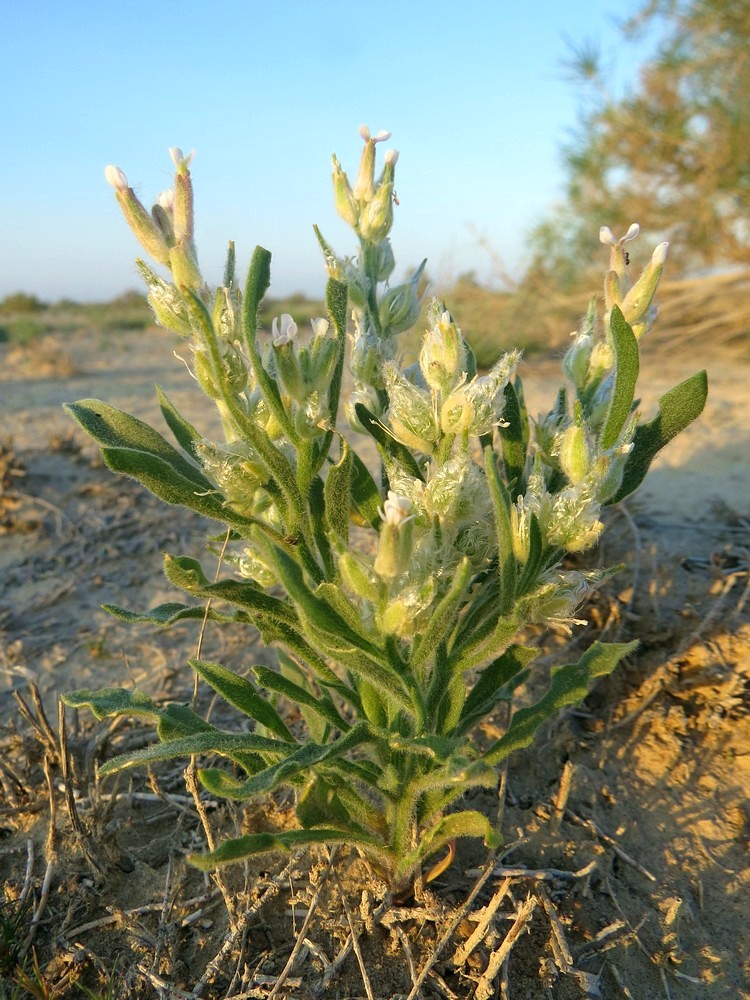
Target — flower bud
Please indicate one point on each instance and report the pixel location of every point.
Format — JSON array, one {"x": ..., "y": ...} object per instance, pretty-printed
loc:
[
  {"x": 575, "y": 454},
  {"x": 577, "y": 359},
  {"x": 443, "y": 355},
  {"x": 636, "y": 304},
  {"x": 376, "y": 218},
  {"x": 395, "y": 544},
  {"x": 410, "y": 414},
  {"x": 343, "y": 196},
  {"x": 146, "y": 231},
  {"x": 384, "y": 260},
  {"x": 399, "y": 308},
  {"x": 170, "y": 308},
  {"x": 364, "y": 186},
  {"x": 367, "y": 396},
  {"x": 184, "y": 266},
  {"x": 116, "y": 178}
]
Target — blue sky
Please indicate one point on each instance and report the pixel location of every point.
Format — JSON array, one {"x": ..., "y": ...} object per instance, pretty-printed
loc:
[{"x": 472, "y": 91}]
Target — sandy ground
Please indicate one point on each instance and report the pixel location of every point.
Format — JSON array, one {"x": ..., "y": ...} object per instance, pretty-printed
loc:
[{"x": 656, "y": 815}]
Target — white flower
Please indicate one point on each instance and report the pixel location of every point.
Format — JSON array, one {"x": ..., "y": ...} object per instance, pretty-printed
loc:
[
  {"x": 380, "y": 137},
  {"x": 319, "y": 326},
  {"x": 179, "y": 159},
  {"x": 287, "y": 332},
  {"x": 396, "y": 509},
  {"x": 166, "y": 200},
  {"x": 606, "y": 237},
  {"x": 116, "y": 178}
]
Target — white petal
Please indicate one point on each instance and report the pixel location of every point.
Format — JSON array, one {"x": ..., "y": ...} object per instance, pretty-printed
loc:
[
  {"x": 364, "y": 132},
  {"x": 606, "y": 237},
  {"x": 631, "y": 233},
  {"x": 660, "y": 254},
  {"x": 116, "y": 178}
]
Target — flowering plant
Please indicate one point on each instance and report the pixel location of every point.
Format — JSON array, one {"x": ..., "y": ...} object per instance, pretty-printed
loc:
[{"x": 396, "y": 596}]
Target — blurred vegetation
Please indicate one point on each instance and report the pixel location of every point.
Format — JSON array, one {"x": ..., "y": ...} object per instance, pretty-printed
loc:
[{"x": 671, "y": 154}]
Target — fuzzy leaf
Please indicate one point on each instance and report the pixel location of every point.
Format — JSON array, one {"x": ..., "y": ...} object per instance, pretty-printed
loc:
[
  {"x": 443, "y": 617},
  {"x": 489, "y": 688},
  {"x": 187, "y": 574},
  {"x": 215, "y": 741},
  {"x": 386, "y": 444},
  {"x": 365, "y": 494},
  {"x": 160, "y": 478},
  {"x": 501, "y": 507},
  {"x": 626, "y": 377},
  {"x": 240, "y": 848},
  {"x": 513, "y": 440},
  {"x": 677, "y": 409},
  {"x": 468, "y": 823},
  {"x": 289, "y": 769},
  {"x": 172, "y": 612},
  {"x": 570, "y": 685},
  {"x": 238, "y": 691},
  {"x": 338, "y": 494},
  {"x": 108, "y": 702},
  {"x": 113, "y": 428},
  {"x": 185, "y": 434},
  {"x": 298, "y": 695}
]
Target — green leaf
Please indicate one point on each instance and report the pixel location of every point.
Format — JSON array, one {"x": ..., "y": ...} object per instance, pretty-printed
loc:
[
  {"x": 625, "y": 378},
  {"x": 492, "y": 683},
  {"x": 488, "y": 641},
  {"x": 113, "y": 428},
  {"x": 289, "y": 769},
  {"x": 365, "y": 493},
  {"x": 258, "y": 281},
  {"x": 443, "y": 617},
  {"x": 513, "y": 443},
  {"x": 232, "y": 851},
  {"x": 337, "y": 493},
  {"x": 677, "y": 409},
  {"x": 108, "y": 702},
  {"x": 185, "y": 434},
  {"x": 215, "y": 741},
  {"x": 172, "y": 612},
  {"x": 570, "y": 685},
  {"x": 336, "y": 302},
  {"x": 386, "y": 444},
  {"x": 534, "y": 561},
  {"x": 161, "y": 479},
  {"x": 187, "y": 574},
  {"x": 468, "y": 823},
  {"x": 501, "y": 507},
  {"x": 239, "y": 691},
  {"x": 298, "y": 695}
]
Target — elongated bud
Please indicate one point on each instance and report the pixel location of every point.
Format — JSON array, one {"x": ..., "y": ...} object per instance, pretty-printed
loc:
[
  {"x": 343, "y": 196},
  {"x": 575, "y": 454},
  {"x": 364, "y": 186},
  {"x": 443, "y": 355},
  {"x": 116, "y": 178},
  {"x": 376, "y": 219},
  {"x": 146, "y": 231},
  {"x": 636, "y": 304},
  {"x": 577, "y": 360},
  {"x": 395, "y": 544},
  {"x": 182, "y": 212}
]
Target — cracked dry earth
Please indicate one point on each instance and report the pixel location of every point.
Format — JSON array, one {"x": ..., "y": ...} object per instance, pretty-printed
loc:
[{"x": 624, "y": 870}]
